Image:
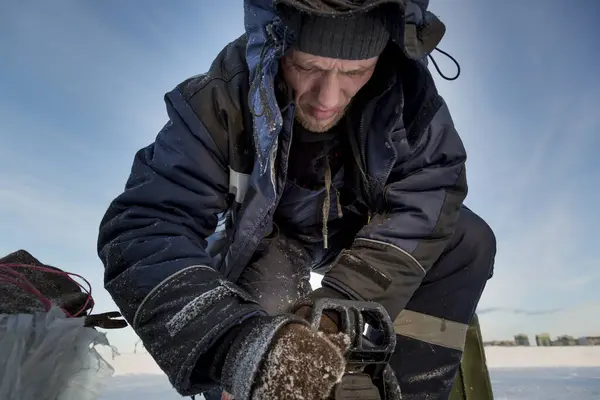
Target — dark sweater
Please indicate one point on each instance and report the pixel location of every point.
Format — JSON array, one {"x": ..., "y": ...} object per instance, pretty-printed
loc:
[{"x": 313, "y": 209}]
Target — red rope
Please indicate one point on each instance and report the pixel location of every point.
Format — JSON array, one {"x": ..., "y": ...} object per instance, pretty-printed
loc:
[{"x": 22, "y": 282}]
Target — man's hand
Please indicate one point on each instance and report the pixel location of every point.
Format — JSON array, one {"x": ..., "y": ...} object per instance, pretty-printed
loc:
[
  {"x": 281, "y": 358},
  {"x": 301, "y": 364}
]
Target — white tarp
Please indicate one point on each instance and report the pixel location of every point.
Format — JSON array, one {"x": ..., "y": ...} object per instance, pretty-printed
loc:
[{"x": 47, "y": 356}]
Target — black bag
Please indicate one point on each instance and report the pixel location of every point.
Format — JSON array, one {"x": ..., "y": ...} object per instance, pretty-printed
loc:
[{"x": 53, "y": 284}]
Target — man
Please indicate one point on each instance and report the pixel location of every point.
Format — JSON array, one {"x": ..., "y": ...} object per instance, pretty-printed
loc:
[{"x": 315, "y": 141}]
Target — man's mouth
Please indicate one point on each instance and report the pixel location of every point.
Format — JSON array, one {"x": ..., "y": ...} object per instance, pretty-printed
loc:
[{"x": 320, "y": 113}]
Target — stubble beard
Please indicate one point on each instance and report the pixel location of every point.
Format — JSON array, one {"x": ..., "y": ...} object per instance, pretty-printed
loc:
[{"x": 313, "y": 125}]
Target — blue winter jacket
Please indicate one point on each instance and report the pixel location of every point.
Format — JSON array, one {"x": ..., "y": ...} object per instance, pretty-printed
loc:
[{"x": 202, "y": 196}]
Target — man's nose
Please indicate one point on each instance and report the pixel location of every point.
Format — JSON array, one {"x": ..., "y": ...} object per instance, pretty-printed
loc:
[{"x": 328, "y": 92}]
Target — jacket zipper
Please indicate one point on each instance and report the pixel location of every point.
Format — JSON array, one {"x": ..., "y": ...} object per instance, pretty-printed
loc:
[
  {"x": 358, "y": 158},
  {"x": 362, "y": 165},
  {"x": 362, "y": 161}
]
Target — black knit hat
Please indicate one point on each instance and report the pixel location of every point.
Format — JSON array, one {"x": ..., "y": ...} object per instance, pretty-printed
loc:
[{"x": 357, "y": 36}]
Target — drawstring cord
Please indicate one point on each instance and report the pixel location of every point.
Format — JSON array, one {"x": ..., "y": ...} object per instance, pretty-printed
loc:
[
  {"x": 438, "y": 68},
  {"x": 339, "y": 205},
  {"x": 327, "y": 202}
]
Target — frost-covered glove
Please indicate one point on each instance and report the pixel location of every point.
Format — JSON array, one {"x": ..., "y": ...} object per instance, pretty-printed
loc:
[
  {"x": 302, "y": 364},
  {"x": 282, "y": 358}
]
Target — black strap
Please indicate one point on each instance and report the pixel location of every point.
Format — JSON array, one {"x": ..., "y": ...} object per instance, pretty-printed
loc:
[{"x": 105, "y": 320}]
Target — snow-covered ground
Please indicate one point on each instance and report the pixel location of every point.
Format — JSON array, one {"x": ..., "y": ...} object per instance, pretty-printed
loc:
[
  {"x": 518, "y": 373},
  {"x": 543, "y": 357}
]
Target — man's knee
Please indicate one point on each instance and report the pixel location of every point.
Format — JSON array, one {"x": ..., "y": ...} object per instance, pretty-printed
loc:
[{"x": 477, "y": 238}]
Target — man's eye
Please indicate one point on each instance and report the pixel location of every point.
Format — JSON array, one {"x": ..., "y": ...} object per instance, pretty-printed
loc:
[
  {"x": 354, "y": 73},
  {"x": 305, "y": 69}
]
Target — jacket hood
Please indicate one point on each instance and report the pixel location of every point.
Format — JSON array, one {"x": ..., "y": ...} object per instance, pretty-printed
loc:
[{"x": 414, "y": 29}]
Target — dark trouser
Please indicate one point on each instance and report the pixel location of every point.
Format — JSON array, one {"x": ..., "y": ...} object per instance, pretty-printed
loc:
[{"x": 432, "y": 328}]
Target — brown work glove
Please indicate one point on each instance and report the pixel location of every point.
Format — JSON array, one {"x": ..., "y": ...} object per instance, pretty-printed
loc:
[
  {"x": 301, "y": 364},
  {"x": 280, "y": 358}
]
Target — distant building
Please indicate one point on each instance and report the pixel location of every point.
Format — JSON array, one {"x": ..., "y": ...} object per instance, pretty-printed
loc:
[
  {"x": 502, "y": 343},
  {"x": 543, "y": 339},
  {"x": 590, "y": 341},
  {"x": 565, "y": 340},
  {"x": 521, "y": 340}
]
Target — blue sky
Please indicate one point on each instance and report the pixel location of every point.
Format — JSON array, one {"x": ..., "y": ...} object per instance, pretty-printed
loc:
[{"x": 82, "y": 85}]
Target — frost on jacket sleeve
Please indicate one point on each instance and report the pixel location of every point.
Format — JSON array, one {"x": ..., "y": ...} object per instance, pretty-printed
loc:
[
  {"x": 152, "y": 241},
  {"x": 391, "y": 255}
]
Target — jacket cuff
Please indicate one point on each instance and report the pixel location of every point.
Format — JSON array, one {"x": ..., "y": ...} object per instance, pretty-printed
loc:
[
  {"x": 376, "y": 271},
  {"x": 181, "y": 319}
]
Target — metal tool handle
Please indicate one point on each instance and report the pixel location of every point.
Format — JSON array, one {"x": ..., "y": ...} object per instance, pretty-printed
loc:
[
  {"x": 354, "y": 315},
  {"x": 356, "y": 386},
  {"x": 368, "y": 372}
]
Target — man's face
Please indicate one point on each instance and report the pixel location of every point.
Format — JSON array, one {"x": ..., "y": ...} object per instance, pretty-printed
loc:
[{"x": 323, "y": 87}]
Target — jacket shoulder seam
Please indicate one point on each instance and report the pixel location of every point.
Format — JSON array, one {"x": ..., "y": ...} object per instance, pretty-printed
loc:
[{"x": 208, "y": 79}]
